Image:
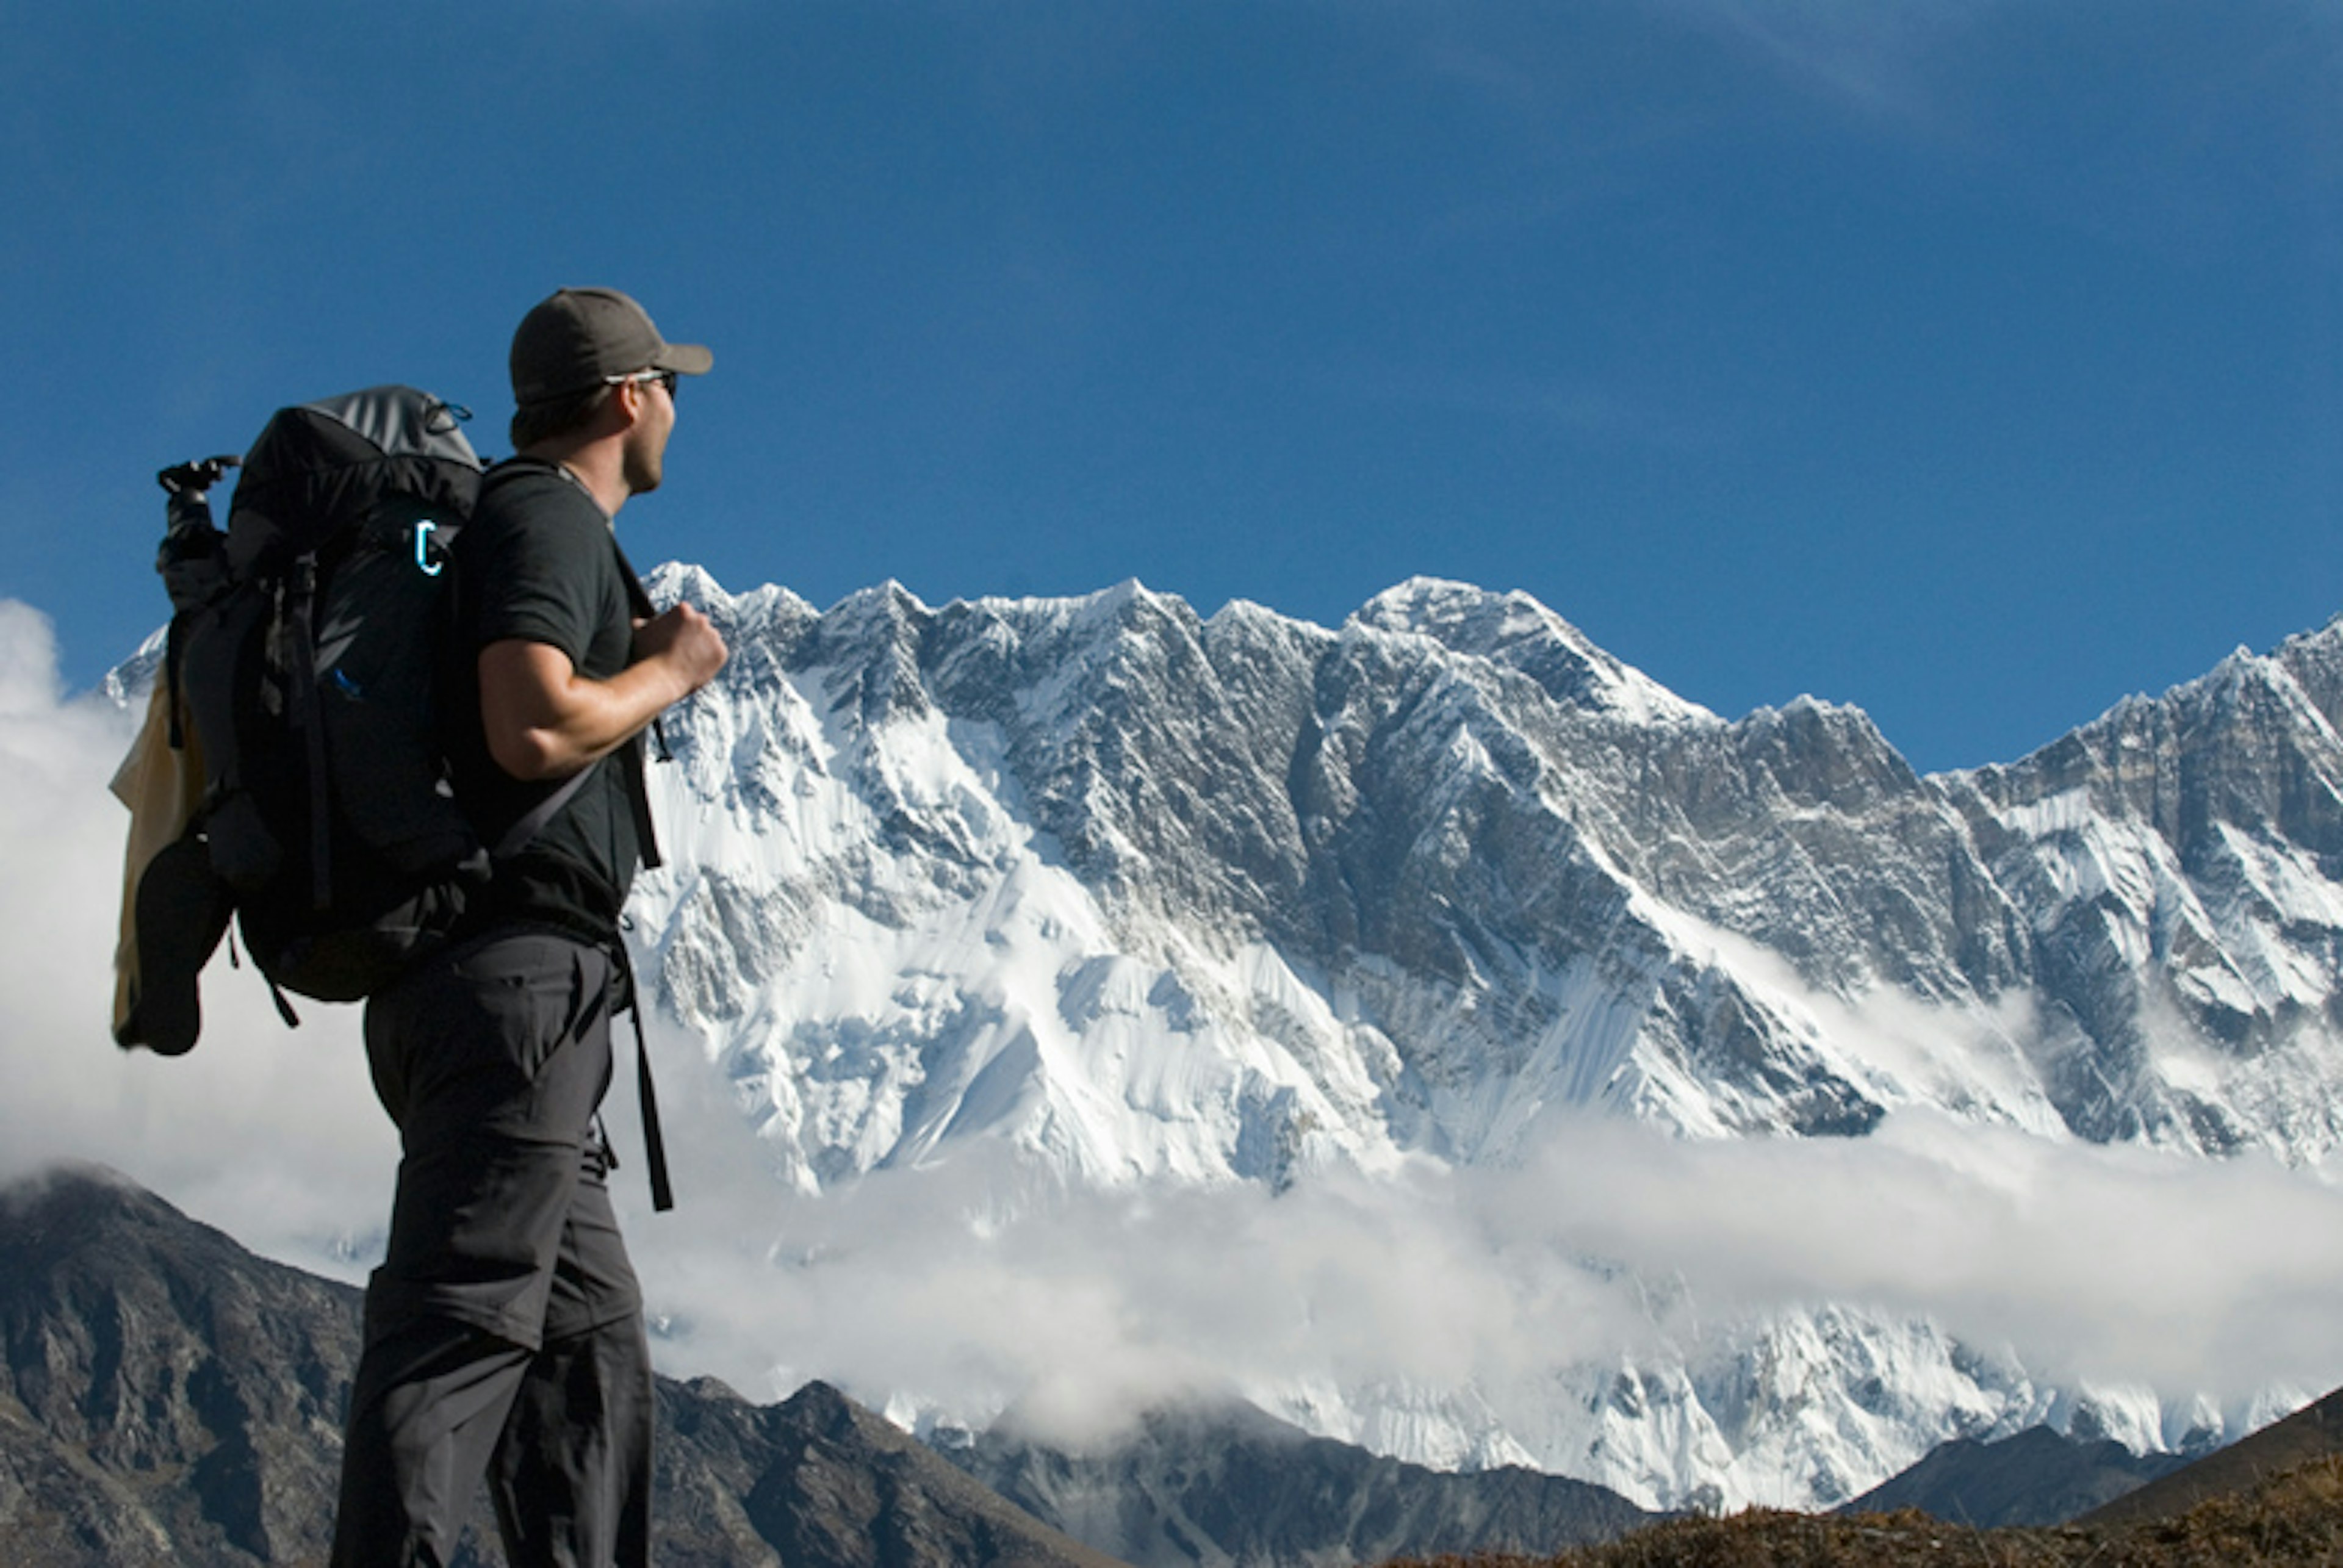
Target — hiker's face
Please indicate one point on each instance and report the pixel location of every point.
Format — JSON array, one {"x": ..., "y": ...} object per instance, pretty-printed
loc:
[{"x": 646, "y": 448}]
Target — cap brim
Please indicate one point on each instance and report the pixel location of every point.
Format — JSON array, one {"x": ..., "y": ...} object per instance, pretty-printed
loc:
[{"x": 686, "y": 358}]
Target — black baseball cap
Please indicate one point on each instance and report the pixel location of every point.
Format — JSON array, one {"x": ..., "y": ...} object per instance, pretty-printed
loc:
[{"x": 577, "y": 339}]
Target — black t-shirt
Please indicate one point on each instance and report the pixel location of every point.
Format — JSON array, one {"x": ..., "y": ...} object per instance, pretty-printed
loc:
[{"x": 538, "y": 562}]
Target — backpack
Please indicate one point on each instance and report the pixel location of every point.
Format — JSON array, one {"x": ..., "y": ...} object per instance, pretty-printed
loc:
[
  {"x": 292, "y": 774},
  {"x": 300, "y": 683}
]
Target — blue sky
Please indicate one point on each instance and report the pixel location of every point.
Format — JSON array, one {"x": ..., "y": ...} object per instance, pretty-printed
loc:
[{"x": 1974, "y": 363}]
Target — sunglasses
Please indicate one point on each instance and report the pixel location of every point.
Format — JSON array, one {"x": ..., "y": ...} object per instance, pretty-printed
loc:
[{"x": 665, "y": 378}]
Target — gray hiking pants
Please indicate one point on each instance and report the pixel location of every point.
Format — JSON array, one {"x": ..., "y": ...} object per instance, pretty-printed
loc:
[{"x": 504, "y": 1329}]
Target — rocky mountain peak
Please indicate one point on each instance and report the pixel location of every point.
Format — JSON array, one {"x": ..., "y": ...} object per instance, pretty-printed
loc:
[
  {"x": 1146, "y": 897},
  {"x": 1516, "y": 632}
]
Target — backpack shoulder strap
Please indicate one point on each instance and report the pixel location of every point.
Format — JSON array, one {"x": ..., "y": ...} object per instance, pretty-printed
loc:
[
  {"x": 630, "y": 756},
  {"x": 639, "y": 796}
]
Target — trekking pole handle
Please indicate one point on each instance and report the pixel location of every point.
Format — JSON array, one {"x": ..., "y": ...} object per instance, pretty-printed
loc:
[
  {"x": 193, "y": 557},
  {"x": 196, "y": 475}
]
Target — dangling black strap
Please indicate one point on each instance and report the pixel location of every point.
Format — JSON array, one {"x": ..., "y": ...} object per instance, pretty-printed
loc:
[{"x": 654, "y": 1139}]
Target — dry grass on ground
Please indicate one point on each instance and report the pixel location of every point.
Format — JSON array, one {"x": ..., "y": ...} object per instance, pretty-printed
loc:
[{"x": 2297, "y": 1518}]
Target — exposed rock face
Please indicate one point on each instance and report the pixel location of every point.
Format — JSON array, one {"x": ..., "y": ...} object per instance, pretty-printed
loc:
[
  {"x": 1229, "y": 1487},
  {"x": 166, "y": 1398},
  {"x": 2176, "y": 863}
]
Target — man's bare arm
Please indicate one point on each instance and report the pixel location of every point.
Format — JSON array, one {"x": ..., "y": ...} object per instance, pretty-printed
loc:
[{"x": 545, "y": 721}]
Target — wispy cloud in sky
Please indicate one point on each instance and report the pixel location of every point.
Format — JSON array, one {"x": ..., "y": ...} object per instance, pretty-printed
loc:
[{"x": 1873, "y": 58}]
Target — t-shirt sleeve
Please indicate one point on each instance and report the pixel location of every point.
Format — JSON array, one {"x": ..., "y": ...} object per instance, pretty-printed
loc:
[{"x": 539, "y": 575}]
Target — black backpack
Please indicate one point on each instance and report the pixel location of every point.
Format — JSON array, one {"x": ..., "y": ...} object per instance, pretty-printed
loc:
[
  {"x": 302, "y": 679},
  {"x": 304, "y": 663}
]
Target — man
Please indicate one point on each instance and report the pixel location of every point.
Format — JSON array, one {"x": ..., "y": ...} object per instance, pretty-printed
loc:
[{"x": 504, "y": 1329}]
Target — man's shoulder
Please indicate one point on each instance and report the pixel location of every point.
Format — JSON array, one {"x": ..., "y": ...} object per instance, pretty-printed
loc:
[
  {"x": 527, "y": 488},
  {"x": 535, "y": 508}
]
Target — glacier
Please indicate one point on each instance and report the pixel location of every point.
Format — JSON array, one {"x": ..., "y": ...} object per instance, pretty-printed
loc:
[{"x": 1147, "y": 902}]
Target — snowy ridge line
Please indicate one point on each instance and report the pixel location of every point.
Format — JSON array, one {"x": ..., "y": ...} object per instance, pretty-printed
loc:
[{"x": 1155, "y": 901}]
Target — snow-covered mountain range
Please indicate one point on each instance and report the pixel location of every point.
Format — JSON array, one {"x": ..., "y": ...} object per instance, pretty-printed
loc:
[{"x": 1153, "y": 901}]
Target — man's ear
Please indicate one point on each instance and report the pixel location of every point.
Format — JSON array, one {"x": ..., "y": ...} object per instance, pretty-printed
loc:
[{"x": 626, "y": 399}]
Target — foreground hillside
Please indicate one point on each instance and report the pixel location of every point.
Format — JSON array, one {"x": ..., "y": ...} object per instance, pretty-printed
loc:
[{"x": 2294, "y": 1519}]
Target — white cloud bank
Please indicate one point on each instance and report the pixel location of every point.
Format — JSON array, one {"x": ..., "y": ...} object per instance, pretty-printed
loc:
[
  {"x": 271, "y": 1133},
  {"x": 974, "y": 1286},
  {"x": 971, "y": 1289}
]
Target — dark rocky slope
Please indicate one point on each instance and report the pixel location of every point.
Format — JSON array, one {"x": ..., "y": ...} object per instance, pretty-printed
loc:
[
  {"x": 167, "y": 1398},
  {"x": 2036, "y": 1477}
]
